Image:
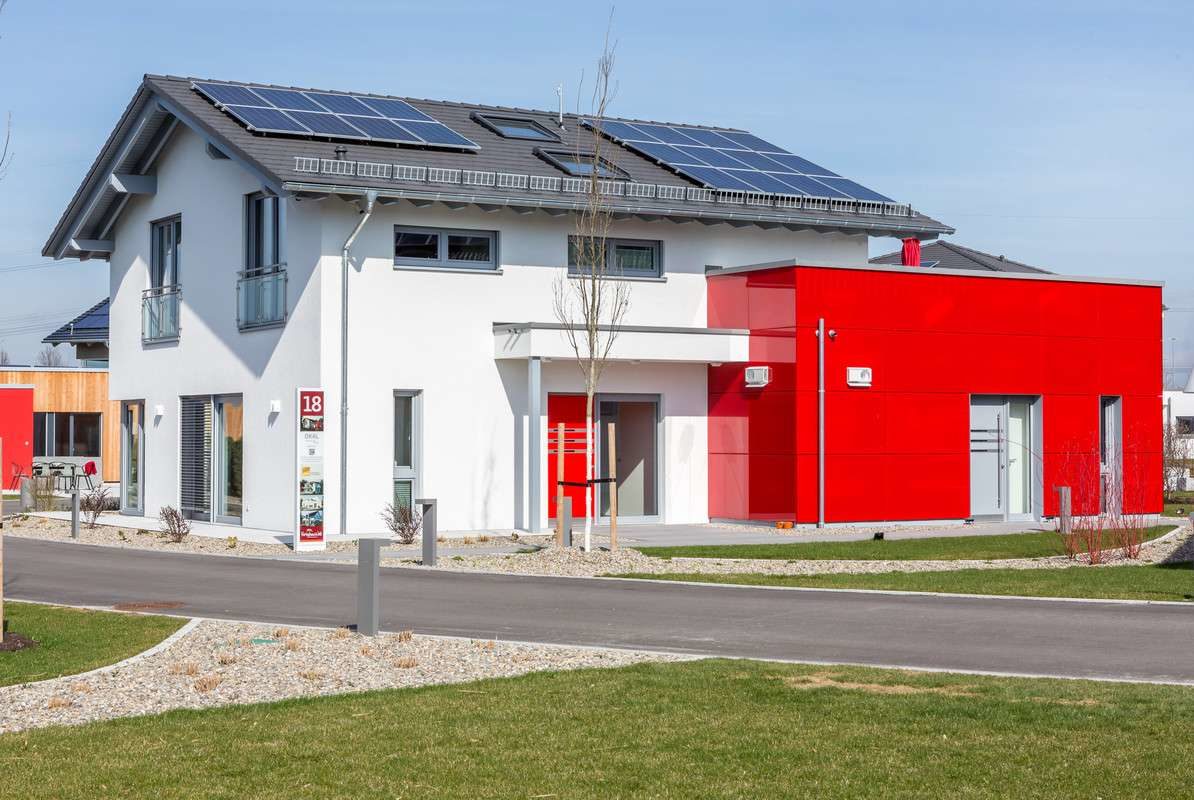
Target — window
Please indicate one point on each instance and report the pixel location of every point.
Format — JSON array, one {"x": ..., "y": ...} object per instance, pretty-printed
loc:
[
  {"x": 516, "y": 127},
  {"x": 581, "y": 164},
  {"x": 627, "y": 258},
  {"x": 164, "y": 258},
  {"x": 1184, "y": 425},
  {"x": 434, "y": 247},
  {"x": 262, "y": 236},
  {"x": 407, "y": 446},
  {"x": 66, "y": 435}
]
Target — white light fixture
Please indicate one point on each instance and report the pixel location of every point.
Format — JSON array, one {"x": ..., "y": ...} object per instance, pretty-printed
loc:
[
  {"x": 275, "y": 406},
  {"x": 159, "y": 410}
]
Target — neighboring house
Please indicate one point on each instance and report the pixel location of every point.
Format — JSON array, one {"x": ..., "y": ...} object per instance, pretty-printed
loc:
[
  {"x": 226, "y": 210},
  {"x": 71, "y": 420},
  {"x": 948, "y": 255},
  {"x": 88, "y": 334}
]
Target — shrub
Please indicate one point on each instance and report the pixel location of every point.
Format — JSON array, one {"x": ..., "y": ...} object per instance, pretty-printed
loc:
[
  {"x": 93, "y": 503},
  {"x": 403, "y": 522},
  {"x": 43, "y": 494},
  {"x": 176, "y": 527}
]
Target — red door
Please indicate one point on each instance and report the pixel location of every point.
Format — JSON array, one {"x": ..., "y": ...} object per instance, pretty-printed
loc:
[
  {"x": 568, "y": 409},
  {"x": 16, "y": 432}
]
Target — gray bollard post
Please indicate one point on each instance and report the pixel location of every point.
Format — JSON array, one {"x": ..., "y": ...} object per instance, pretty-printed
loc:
[
  {"x": 1064, "y": 512},
  {"x": 368, "y": 586},
  {"x": 430, "y": 535},
  {"x": 567, "y": 522},
  {"x": 74, "y": 513},
  {"x": 26, "y": 495}
]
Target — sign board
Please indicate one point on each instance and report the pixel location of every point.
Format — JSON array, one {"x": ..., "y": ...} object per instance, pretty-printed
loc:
[{"x": 310, "y": 477}]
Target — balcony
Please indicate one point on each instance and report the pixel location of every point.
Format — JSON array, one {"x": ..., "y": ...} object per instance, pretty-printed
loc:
[
  {"x": 261, "y": 297},
  {"x": 159, "y": 313}
]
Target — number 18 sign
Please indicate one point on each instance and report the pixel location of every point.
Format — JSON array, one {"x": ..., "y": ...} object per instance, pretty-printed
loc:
[{"x": 309, "y": 535}]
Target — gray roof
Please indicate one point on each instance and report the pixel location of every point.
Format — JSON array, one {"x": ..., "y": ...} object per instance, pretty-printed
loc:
[
  {"x": 90, "y": 327},
  {"x": 302, "y": 165},
  {"x": 947, "y": 255}
]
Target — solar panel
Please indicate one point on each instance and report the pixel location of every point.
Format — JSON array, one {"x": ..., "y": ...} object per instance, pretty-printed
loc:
[
  {"x": 733, "y": 160},
  {"x": 267, "y": 109}
]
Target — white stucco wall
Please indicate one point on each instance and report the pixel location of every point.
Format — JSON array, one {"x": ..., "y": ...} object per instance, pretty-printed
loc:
[{"x": 410, "y": 330}]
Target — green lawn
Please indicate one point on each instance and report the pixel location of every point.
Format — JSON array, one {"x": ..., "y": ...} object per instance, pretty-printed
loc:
[
  {"x": 1153, "y": 582},
  {"x": 736, "y": 729},
  {"x": 938, "y": 548},
  {"x": 72, "y": 640}
]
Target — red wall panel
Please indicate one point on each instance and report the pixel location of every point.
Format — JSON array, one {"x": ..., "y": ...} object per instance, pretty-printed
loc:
[
  {"x": 16, "y": 431},
  {"x": 899, "y": 449},
  {"x": 570, "y": 410}
]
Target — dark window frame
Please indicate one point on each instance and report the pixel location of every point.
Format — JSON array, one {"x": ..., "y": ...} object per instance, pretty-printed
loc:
[
  {"x": 157, "y": 267},
  {"x": 255, "y": 207},
  {"x": 493, "y": 123},
  {"x": 443, "y": 244},
  {"x": 49, "y": 425},
  {"x": 1183, "y": 425},
  {"x": 611, "y": 268}
]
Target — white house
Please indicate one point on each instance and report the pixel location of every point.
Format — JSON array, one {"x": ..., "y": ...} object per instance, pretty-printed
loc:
[{"x": 225, "y": 210}]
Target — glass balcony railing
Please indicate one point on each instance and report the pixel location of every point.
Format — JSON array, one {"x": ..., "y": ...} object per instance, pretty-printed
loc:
[
  {"x": 261, "y": 297},
  {"x": 159, "y": 313}
]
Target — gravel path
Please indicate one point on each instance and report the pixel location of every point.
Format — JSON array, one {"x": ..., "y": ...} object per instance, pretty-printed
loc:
[
  {"x": 575, "y": 563},
  {"x": 226, "y": 663},
  {"x": 150, "y": 538}
]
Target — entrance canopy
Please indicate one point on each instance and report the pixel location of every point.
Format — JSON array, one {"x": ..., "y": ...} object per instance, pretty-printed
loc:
[{"x": 549, "y": 340}]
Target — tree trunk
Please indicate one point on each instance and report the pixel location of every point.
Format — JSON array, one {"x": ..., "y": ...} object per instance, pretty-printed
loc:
[{"x": 589, "y": 467}]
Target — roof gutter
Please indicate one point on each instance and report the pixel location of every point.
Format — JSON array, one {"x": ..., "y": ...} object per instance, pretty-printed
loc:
[
  {"x": 366, "y": 213},
  {"x": 857, "y": 226}
]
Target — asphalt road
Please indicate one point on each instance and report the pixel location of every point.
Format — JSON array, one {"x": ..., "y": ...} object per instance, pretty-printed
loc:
[{"x": 1001, "y": 635}]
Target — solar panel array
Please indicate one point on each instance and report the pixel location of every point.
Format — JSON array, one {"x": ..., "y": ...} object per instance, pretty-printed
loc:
[
  {"x": 733, "y": 160},
  {"x": 344, "y": 116}
]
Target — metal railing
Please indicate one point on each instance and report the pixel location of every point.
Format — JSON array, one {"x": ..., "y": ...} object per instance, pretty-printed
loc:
[
  {"x": 159, "y": 313},
  {"x": 261, "y": 297}
]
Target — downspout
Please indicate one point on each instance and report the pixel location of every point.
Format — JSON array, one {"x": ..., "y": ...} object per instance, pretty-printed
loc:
[
  {"x": 366, "y": 212},
  {"x": 821, "y": 419}
]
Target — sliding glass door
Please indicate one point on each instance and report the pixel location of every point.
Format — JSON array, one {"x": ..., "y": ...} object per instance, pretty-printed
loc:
[
  {"x": 132, "y": 456},
  {"x": 229, "y": 436},
  {"x": 211, "y": 458}
]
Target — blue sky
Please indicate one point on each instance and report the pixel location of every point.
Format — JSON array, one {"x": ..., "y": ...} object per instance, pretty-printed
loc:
[{"x": 1057, "y": 133}]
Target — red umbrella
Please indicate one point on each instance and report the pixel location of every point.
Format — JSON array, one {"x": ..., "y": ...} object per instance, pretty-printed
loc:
[{"x": 911, "y": 254}]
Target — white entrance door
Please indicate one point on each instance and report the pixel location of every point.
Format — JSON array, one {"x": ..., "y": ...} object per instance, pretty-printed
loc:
[
  {"x": 1019, "y": 459},
  {"x": 1003, "y": 475}
]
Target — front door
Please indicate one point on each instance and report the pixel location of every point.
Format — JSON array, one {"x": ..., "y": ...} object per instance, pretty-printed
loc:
[
  {"x": 634, "y": 464},
  {"x": 132, "y": 456},
  {"x": 1003, "y": 469}
]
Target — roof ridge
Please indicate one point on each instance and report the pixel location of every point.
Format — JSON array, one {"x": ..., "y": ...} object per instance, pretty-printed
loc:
[{"x": 455, "y": 103}]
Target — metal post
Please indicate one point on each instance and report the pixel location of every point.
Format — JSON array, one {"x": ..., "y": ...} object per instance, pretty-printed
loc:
[
  {"x": 368, "y": 586},
  {"x": 821, "y": 423},
  {"x": 74, "y": 513},
  {"x": 534, "y": 444},
  {"x": 566, "y": 522},
  {"x": 427, "y": 506},
  {"x": 1064, "y": 510}
]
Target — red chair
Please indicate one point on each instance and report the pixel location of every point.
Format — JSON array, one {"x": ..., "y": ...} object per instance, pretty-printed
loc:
[
  {"x": 88, "y": 471},
  {"x": 18, "y": 472}
]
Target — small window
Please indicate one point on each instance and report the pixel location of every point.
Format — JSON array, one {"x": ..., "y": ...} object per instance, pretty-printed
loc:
[
  {"x": 66, "y": 435},
  {"x": 627, "y": 258},
  {"x": 512, "y": 127},
  {"x": 1184, "y": 426},
  {"x": 451, "y": 249},
  {"x": 582, "y": 164}
]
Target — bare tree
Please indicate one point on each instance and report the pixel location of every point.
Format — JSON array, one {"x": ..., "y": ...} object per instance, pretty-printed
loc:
[
  {"x": 6, "y": 148},
  {"x": 48, "y": 357},
  {"x": 591, "y": 303},
  {"x": 4, "y": 359}
]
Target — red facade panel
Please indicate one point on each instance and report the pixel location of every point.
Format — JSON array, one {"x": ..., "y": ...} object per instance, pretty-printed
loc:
[{"x": 900, "y": 448}]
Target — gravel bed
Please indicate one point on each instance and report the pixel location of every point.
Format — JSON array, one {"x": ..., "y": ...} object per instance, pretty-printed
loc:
[
  {"x": 576, "y": 563},
  {"x": 150, "y": 538},
  {"x": 226, "y": 663}
]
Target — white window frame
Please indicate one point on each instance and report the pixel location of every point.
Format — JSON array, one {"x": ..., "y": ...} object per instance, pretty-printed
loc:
[{"x": 441, "y": 261}]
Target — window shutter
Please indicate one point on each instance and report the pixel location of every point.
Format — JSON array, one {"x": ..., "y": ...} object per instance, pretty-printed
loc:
[{"x": 195, "y": 457}]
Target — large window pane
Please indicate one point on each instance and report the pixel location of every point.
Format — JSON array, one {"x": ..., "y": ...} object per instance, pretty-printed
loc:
[
  {"x": 85, "y": 436},
  {"x": 404, "y": 430},
  {"x": 40, "y": 420},
  {"x": 61, "y": 435},
  {"x": 416, "y": 245},
  {"x": 164, "y": 254},
  {"x": 263, "y": 249},
  {"x": 635, "y": 258},
  {"x": 468, "y": 248}
]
